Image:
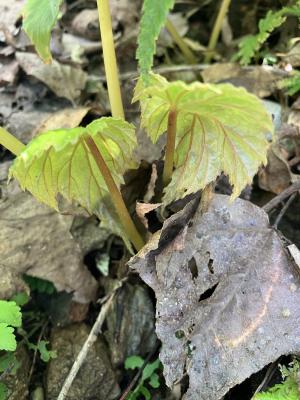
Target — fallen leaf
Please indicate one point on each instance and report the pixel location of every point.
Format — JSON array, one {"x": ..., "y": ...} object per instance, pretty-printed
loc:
[
  {"x": 86, "y": 24},
  {"x": 142, "y": 209},
  {"x": 63, "y": 80},
  {"x": 66, "y": 118},
  {"x": 227, "y": 296},
  {"x": 260, "y": 80},
  {"x": 10, "y": 12},
  {"x": 37, "y": 241},
  {"x": 8, "y": 72},
  {"x": 276, "y": 175},
  {"x": 294, "y": 116}
]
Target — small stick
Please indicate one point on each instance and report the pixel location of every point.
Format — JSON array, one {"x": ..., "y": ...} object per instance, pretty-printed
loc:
[
  {"x": 138, "y": 374},
  {"x": 295, "y": 187},
  {"x": 89, "y": 342},
  {"x": 284, "y": 209},
  {"x": 186, "y": 51}
]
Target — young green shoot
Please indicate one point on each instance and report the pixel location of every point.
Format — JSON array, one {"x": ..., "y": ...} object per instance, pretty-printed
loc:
[
  {"x": 110, "y": 62},
  {"x": 10, "y": 142},
  {"x": 186, "y": 51},
  {"x": 216, "y": 30}
]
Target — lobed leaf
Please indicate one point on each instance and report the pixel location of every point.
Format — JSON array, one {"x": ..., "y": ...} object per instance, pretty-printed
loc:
[
  {"x": 40, "y": 17},
  {"x": 153, "y": 19},
  {"x": 220, "y": 128},
  {"x": 7, "y": 338},
  {"x": 60, "y": 163},
  {"x": 10, "y": 313}
]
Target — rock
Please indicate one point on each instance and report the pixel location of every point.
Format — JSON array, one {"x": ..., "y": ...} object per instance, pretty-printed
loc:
[
  {"x": 95, "y": 380},
  {"x": 131, "y": 324}
]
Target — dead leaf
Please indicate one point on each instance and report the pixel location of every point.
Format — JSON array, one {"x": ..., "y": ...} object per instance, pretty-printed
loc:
[
  {"x": 144, "y": 208},
  {"x": 63, "y": 80},
  {"x": 227, "y": 297},
  {"x": 295, "y": 253},
  {"x": 260, "y": 80},
  {"x": 8, "y": 72},
  {"x": 37, "y": 241},
  {"x": 150, "y": 192},
  {"x": 294, "y": 116},
  {"x": 86, "y": 24},
  {"x": 10, "y": 12},
  {"x": 66, "y": 118},
  {"x": 276, "y": 175}
]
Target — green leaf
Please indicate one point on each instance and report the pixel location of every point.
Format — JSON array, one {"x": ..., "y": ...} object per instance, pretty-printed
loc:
[
  {"x": 60, "y": 163},
  {"x": 153, "y": 19},
  {"x": 133, "y": 362},
  {"x": 291, "y": 84},
  {"x": 10, "y": 313},
  {"x": 3, "y": 391},
  {"x": 154, "y": 381},
  {"x": 39, "y": 285},
  {"x": 220, "y": 128},
  {"x": 9, "y": 362},
  {"x": 288, "y": 390},
  {"x": 7, "y": 338},
  {"x": 21, "y": 299},
  {"x": 39, "y": 18},
  {"x": 250, "y": 45},
  {"x": 41, "y": 347}
]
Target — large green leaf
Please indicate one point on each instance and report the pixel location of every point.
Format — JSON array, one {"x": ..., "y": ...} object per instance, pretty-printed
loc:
[
  {"x": 59, "y": 162},
  {"x": 40, "y": 17},
  {"x": 220, "y": 128},
  {"x": 153, "y": 19}
]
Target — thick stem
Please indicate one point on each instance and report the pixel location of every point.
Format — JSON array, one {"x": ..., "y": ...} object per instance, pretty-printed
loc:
[
  {"x": 216, "y": 30},
  {"x": 186, "y": 51},
  {"x": 170, "y": 147},
  {"x": 110, "y": 62},
  {"x": 10, "y": 142},
  {"x": 116, "y": 196}
]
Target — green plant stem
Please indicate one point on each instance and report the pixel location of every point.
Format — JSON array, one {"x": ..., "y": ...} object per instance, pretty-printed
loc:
[
  {"x": 216, "y": 30},
  {"x": 10, "y": 142},
  {"x": 116, "y": 196},
  {"x": 170, "y": 147},
  {"x": 186, "y": 51},
  {"x": 110, "y": 62}
]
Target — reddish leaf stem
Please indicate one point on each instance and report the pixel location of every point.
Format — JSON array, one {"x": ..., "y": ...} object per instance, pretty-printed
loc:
[
  {"x": 116, "y": 196},
  {"x": 170, "y": 147}
]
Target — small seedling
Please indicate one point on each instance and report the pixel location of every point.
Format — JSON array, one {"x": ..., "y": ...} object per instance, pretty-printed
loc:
[{"x": 149, "y": 377}]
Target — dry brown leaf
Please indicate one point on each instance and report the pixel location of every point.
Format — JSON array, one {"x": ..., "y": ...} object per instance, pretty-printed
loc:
[
  {"x": 276, "y": 176},
  {"x": 227, "y": 296},
  {"x": 66, "y": 118},
  {"x": 10, "y": 12},
  {"x": 294, "y": 116},
  {"x": 37, "y": 241},
  {"x": 63, "y": 80},
  {"x": 142, "y": 209},
  {"x": 8, "y": 72},
  {"x": 86, "y": 24},
  {"x": 260, "y": 80}
]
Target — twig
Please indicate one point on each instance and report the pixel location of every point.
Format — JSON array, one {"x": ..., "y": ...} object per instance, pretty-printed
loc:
[
  {"x": 295, "y": 187},
  {"x": 107, "y": 301},
  {"x": 284, "y": 210},
  {"x": 138, "y": 374},
  {"x": 36, "y": 350},
  {"x": 270, "y": 372}
]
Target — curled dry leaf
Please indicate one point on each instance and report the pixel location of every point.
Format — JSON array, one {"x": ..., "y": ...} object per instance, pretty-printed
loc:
[
  {"x": 276, "y": 175},
  {"x": 63, "y": 80},
  {"x": 227, "y": 296},
  {"x": 142, "y": 209}
]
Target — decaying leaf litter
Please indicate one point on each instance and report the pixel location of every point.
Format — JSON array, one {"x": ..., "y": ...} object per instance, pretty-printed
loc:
[{"x": 225, "y": 286}]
